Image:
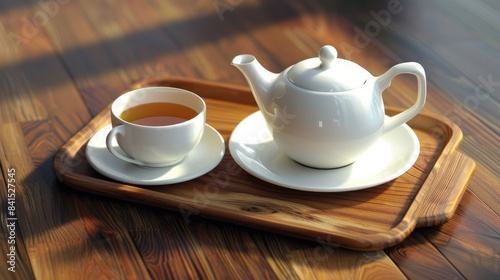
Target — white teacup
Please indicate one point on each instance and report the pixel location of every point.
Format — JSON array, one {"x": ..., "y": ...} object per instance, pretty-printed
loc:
[{"x": 156, "y": 126}]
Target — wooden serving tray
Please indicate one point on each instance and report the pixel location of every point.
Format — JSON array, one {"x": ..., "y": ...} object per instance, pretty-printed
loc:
[{"x": 371, "y": 219}]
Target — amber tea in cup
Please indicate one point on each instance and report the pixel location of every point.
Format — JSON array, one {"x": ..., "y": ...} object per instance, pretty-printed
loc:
[
  {"x": 156, "y": 126},
  {"x": 158, "y": 114}
]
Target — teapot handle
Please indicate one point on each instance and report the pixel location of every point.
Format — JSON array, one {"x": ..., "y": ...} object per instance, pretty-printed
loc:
[{"x": 384, "y": 81}]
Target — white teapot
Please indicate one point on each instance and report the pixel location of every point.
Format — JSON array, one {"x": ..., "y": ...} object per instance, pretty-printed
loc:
[{"x": 325, "y": 112}]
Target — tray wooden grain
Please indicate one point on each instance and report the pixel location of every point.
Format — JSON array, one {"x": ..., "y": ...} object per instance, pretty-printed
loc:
[{"x": 371, "y": 219}]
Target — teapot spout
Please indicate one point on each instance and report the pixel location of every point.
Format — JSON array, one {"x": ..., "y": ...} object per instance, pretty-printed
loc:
[{"x": 260, "y": 80}]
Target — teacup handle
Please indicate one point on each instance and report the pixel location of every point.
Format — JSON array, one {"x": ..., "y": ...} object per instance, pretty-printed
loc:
[
  {"x": 384, "y": 81},
  {"x": 109, "y": 144}
]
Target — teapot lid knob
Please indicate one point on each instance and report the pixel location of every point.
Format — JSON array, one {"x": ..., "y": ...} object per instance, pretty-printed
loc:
[{"x": 327, "y": 54}]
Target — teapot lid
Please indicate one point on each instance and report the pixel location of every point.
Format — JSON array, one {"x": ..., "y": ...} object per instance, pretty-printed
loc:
[{"x": 327, "y": 73}]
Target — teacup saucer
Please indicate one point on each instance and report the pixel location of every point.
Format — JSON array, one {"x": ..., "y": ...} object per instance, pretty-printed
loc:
[
  {"x": 206, "y": 156},
  {"x": 253, "y": 148}
]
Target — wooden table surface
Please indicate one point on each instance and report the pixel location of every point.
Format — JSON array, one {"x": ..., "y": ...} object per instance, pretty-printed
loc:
[{"x": 63, "y": 61}]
